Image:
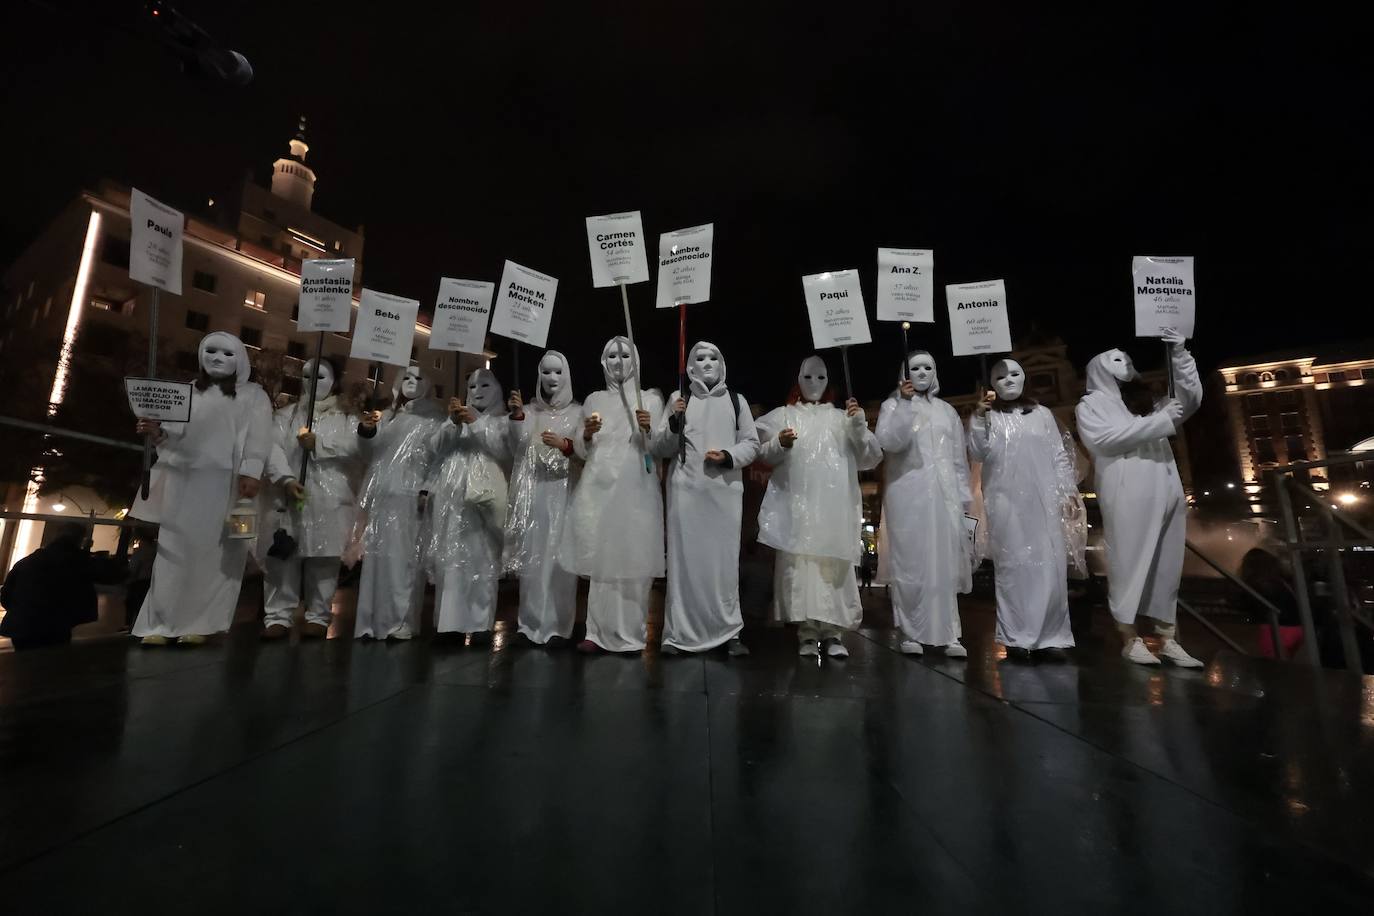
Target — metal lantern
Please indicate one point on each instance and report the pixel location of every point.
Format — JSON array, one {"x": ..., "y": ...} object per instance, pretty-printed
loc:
[{"x": 243, "y": 520}]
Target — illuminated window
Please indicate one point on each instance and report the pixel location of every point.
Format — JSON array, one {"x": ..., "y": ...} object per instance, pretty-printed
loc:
[
  {"x": 255, "y": 299},
  {"x": 1266, "y": 376},
  {"x": 197, "y": 321},
  {"x": 105, "y": 305},
  {"x": 205, "y": 282}
]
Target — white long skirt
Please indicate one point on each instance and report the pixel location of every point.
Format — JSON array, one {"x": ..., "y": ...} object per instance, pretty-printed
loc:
[
  {"x": 198, "y": 571},
  {"x": 702, "y": 609},
  {"x": 548, "y": 603},
  {"x": 464, "y": 600},
  {"x": 391, "y": 589},
  {"x": 816, "y": 588},
  {"x": 618, "y": 614}
]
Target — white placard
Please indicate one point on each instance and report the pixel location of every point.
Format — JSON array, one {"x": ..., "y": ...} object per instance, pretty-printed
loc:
[
  {"x": 156, "y": 399},
  {"x": 1164, "y": 295},
  {"x": 616, "y": 243},
  {"x": 836, "y": 306},
  {"x": 326, "y": 302},
  {"x": 155, "y": 243},
  {"x": 386, "y": 328},
  {"x": 524, "y": 305},
  {"x": 906, "y": 284},
  {"x": 978, "y": 318},
  {"x": 684, "y": 266},
  {"x": 460, "y": 315}
]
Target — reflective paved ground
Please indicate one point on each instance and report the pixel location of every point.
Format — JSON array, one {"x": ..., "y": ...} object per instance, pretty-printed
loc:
[{"x": 363, "y": 777}]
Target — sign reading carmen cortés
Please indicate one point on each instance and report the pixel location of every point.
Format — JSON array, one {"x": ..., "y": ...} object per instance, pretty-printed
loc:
[
  {"x": 978, "y": 318},
  {"x": 155, "y": 399},
  {"x": 616, "y": 245},
  {"x": 1164, "y": 295},
  {"x": 326, "y": 295},
  {"x": 386, "y": 328},
  {"x": 460, "y": 315}
]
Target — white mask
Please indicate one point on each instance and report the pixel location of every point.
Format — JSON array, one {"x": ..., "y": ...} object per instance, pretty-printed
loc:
[
  {"x": 1119, "y": 365},
  {"x": 707, "y": 362},
  {"x": 618, "y": 362},
  {"x": 1008, "y": 379},
  {"x": 922, "y": 369},
  {"x": 552, "y": 376},
  {"x": 219, "y": 361},
  {"x": 324, "y": 378},
  {"x": 413, "y": 384},
  {"x": 482, "y": 391},
  {"x": 813, "y": 378}
]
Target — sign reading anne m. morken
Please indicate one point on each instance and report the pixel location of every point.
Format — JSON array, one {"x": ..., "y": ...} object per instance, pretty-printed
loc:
[
  {"x": 524, "y": 305},
  {"x": 155, "y": 243},
  {"x": 1164, "y": 295},
  {"x": 326, "y": 296},
  {"x": 386, "y": 328},
  {"x": 460, "y": 315}
]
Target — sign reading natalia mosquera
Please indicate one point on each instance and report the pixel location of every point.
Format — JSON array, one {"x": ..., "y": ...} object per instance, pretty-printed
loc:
[
  {"x": 906, "y": 284},
  {"x": 836, "y": 306},
  {"x": 326, "y": 296},
  {"x": 154, "y": 399},
  {"x": 460, "y": 315},
  {"x": 684, "y": 266},
  {"x": 386, "y": 328},
  {"x": 616, "y": 244},
  {"x": 978, "y": 318},
  {"x": 1164, "y": 295},
  {"x": 524, "y": 305},
  {"x": 155, "y": 243}
]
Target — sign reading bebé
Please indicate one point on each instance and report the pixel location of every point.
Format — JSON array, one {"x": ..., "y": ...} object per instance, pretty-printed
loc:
[
  {"x": 326, "y": 302},
  {"x": 524, "y": 305},
  {"x": 1164, "y": 295},
  {"x": 460, "y": 315},
  {"x": 835, "y": 304},
  {"x": 978, "y": 318},
  {"x": 684, "y": 266},
  {"x": 385, "y": 329},
  {"x": 906, "y": 284},
  {"x": 155, "y": 243},
  {"x": 156, "y": 399},
  {"x": 616, "y": 245}
]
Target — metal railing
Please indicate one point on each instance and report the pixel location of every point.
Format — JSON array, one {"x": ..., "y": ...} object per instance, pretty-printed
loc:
[{"x": 1333, "y": 546}]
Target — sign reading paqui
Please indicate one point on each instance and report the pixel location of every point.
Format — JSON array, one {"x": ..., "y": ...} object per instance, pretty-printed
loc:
[
  {"x": 1164, "y": 295},
  {"x": 978, "y": 318},
  {"x": 616, "y": 244},
  {"x": 906, "y": 284},
  {"x": 684, "y": 266},
  {"x": 524, "y": 306},
  {"x": 326, "y": 296},
  {"x": 835, "y": 304},
  {"x": 386, "y": 328},
  {"x": 155, "y": 399},
  {"x": 155, "y": 243},
  {"x": 460, "y": 315}
]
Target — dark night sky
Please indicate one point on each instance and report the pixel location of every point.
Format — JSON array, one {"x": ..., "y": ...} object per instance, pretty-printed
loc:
[{"x": 1043, "y": 150}]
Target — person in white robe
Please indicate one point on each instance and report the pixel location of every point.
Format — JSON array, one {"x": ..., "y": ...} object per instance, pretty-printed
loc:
[
  {"x": 812, "y": 512},
  {"x": 1030, "y": 495},
  {"x": 468, "y": 505},
  {"x": 708, "y": 437},
  {"x": 1144, "y": 511},
  {"x": 318, "y": 515},
  {"x": 203, "y": 467},
  {"x": 924, "y": 555},
  {"x": 397, "y": 442},
  {"x": 541, "y": 439},
  {"x": 613, "y": 532}
]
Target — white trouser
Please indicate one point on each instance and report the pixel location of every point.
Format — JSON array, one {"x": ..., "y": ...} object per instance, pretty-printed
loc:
[
  {"x": 464, "y": 602},
  {"x": 618, "y": 614},
  {"x": 390, "y": 592},
  {"x": 817, "y": 630},
  {"x": 548, "y": 603},
  {"x": 282, "y": 589}
]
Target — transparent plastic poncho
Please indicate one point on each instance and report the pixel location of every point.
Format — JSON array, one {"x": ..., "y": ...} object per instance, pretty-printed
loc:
[
  {"x": 323, "y": 524},
  {"x": 1034, "y": 515},
  {"x": 813, "y": 505},
  {"x": 614, "y": 526},
  {"x": 542, "y": 479},
  {"x": 468, "y": 491},
  {"x": 400, "y": 457}
]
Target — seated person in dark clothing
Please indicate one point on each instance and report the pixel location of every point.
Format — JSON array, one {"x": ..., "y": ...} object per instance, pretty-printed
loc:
[{"x": 49, "y": 592}]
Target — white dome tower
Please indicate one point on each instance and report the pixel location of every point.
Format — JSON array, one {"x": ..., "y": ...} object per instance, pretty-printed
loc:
[{"x": 292, "y": 179}]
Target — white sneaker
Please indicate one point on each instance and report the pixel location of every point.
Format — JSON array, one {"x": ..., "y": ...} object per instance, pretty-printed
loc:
[
  {"x": 808, "y": 647},
  {"x": 401, "y": 632},
  {"x": 1135, "y": 651},
  {"x": 835, "y": 649},
  {"x": 1172, "y": 652},
  {"x": 912, "y": 647},
  {"x": 956, "y": 650}
]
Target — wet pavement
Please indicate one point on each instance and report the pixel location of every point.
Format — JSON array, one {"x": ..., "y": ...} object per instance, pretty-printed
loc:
[{"x": 348, "y": 776}]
